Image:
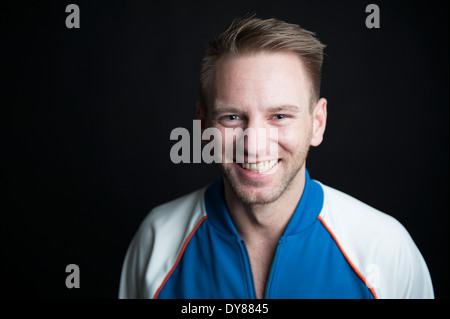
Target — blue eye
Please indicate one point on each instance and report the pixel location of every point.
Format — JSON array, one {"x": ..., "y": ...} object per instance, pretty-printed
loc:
[
  {"x": 232, "y": 117},
  {"x": 279, "y": 116},
  {"x": 230, "y": 120}
]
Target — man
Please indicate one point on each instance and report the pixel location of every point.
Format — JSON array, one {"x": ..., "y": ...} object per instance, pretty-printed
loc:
[{"x": 267, "y": 230}]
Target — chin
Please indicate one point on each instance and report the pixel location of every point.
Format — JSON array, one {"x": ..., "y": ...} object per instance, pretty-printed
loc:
[
  {"x": 257, "y": 199},
  {"x": 255, "y": 194}
]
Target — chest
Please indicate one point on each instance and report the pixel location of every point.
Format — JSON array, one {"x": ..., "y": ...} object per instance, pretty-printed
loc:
[
  {"x": 261, "y": 257},
  {"x": 307, "y": 266}
]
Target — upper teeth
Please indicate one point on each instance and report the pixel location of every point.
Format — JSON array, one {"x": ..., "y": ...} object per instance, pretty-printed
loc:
[{"x": 260, "y": 167}]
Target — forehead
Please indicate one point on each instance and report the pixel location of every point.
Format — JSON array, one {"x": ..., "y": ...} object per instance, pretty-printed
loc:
[{"x": 260, "y": 80}]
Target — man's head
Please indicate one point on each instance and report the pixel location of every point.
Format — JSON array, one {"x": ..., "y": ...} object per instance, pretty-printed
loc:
[
  {"x": 253, "y": 35},
  {"x": 264, "y": 74}
]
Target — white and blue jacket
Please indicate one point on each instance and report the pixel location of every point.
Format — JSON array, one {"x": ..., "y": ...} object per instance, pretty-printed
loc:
[{"x": 333, "y": 247}]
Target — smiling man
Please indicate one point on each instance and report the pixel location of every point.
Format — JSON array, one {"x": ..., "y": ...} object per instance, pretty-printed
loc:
[{"x": 266, "y": 229}]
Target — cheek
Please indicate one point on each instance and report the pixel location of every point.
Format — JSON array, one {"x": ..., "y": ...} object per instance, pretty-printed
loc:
[{"x": 293, "y": 139}]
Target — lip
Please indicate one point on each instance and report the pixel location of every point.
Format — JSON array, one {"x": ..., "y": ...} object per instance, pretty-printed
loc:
[{"x": 257, "y": 177}]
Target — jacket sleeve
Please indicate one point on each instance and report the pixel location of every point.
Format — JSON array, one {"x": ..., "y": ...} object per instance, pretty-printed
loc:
[
  {"x": 132, "y": 269},
  {"x": 409, "y": 277}
]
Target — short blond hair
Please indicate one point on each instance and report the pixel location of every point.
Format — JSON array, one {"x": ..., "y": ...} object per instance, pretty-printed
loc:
[{"x": 254, "y": 35}]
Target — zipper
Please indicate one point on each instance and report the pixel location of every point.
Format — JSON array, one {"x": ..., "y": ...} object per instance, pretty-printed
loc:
[
  {"x": 248, "y": 269},
  {"x": 272, "y": 269}
]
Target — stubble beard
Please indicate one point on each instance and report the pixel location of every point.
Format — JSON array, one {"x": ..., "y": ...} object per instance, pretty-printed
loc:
[{"x": 239, "y": 185}]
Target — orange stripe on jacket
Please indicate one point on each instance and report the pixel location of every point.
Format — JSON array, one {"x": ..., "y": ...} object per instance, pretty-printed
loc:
[
  {"x": 348, "y": 259},
  {"x": 179, "y": 256}
]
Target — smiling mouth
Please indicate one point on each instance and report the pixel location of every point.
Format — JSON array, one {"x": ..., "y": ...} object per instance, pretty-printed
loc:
[{"x": 259, "y": 167}]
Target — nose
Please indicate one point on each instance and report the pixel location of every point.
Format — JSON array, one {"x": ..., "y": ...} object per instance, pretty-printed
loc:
[{"x": 257, "y": 141}]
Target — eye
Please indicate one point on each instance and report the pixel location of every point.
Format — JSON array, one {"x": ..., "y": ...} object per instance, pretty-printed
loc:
[
  {"x": 230, "y": 120},
  {"x": 279, "y": 116}
]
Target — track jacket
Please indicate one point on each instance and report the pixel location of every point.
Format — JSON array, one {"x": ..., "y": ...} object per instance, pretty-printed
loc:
[{"x": 333, "y": 247}]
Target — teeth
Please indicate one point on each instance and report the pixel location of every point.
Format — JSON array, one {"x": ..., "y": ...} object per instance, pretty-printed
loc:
[{"x": 260, "y": 167}]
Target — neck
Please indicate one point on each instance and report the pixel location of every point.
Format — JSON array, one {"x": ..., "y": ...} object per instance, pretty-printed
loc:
[{"x": 265, "y": 221}]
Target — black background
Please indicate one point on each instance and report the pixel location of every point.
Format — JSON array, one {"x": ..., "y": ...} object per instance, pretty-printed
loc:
[{"x": 87, "y": 115}]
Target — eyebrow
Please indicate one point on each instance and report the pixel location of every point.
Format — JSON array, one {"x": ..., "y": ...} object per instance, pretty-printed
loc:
[
  {"x": 284, "y": 108},
  {"x": 226, "y": 109},
  {"x": 273, "y": 109}
]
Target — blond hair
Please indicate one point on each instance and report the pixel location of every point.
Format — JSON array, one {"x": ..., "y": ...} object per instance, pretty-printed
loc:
[{"x": 254, "y": 35}]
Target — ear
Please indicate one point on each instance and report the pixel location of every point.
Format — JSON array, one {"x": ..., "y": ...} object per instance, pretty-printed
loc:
[{"x": 319, "y": 122}]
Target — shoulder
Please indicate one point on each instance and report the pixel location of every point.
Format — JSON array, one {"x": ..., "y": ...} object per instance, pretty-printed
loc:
[
  {"x": 176, "y": 213},
  {"x": 377, "y": 246},
  {"x": 342, "y": 210},
  {"x": 158, "y": 243}
]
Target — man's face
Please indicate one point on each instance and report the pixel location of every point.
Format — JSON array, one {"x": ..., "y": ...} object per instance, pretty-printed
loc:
[{"x": 263, "y": 91}]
